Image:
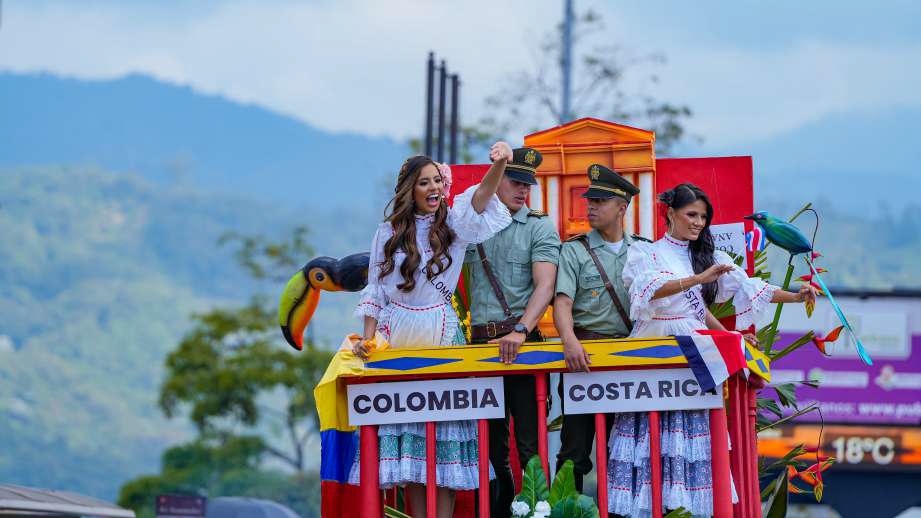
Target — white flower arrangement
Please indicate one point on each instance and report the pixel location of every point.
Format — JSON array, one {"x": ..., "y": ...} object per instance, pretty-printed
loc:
[
  {"x": 542, "y": 509},
  {"x": 520, "y": 508}
]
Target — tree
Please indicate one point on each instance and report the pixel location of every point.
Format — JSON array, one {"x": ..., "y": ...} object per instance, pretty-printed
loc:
[
  {"x": 248, "y": 395},
  {"x": 602, "y": 74}
]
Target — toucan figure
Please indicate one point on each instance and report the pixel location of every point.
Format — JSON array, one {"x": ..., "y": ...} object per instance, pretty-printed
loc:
[
  {"x": 302, "y": 293},
  {"x": 788, "y": 236}
]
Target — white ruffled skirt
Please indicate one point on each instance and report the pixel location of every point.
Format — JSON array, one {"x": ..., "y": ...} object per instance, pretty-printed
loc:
[{"x": 687, "y": 480}]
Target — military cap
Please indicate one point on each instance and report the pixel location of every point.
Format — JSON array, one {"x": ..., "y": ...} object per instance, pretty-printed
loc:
[
  {"x": 605, "y": 183},
  {"x": 524, "y": 164}
]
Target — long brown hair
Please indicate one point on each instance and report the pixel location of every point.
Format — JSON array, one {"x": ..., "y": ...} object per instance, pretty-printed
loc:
[
  {"x": 701, "y": 249},
  {"x": 403, "y": 219}
]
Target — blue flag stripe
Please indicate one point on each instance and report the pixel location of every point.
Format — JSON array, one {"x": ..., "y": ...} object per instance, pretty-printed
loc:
[{"x": 696, "y": 362}]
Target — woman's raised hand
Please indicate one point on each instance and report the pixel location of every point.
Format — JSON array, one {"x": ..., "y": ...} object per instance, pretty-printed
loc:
[
  {"x": 713, "y": 273},
  {"x": 500, "y": 151}
]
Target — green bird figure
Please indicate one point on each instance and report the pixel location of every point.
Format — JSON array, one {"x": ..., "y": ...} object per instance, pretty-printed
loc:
[
  {"x": 783, "y": 234},
  {"x": 788, "y": 236}
]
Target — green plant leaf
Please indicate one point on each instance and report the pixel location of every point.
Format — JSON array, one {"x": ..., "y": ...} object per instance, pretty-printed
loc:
[
  {"x": 786, "y": 394},
  {"x": 564, "y": 484},
  {"x": 770, "y": 405},
  {"x": 556, "y": 425},
  {"x": 788, "y": 459},
  {"x": 390, "y": 512},
  {"x": 533, "y": 483},
  {"x": 576, "y": 506},
  {"x": 776, "y": 504},
  {"x": 679, "y": 513}
]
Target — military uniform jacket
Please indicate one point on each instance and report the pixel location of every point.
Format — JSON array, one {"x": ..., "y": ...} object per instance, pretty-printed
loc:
[
  {"x": 530, "y": 237},
  {"x": 578, "y": 278}
]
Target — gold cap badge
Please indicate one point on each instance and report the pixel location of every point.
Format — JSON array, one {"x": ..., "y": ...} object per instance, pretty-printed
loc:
[
  {"x": 593, "y": 172},
  {"x": 530, "y": 156}
]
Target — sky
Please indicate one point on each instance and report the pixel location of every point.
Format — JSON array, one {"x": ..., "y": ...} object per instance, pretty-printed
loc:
[{"x": 749, "y": 70}]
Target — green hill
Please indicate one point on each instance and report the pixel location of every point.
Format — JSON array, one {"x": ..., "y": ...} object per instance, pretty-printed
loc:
[{"x": 98, "y": 275}]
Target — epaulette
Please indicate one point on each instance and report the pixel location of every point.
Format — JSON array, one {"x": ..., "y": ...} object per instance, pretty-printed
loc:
[
  {"x": 576, "y": 237},
  {"x": 640, "y": 238},
  {"x": 536, "y": 214}
]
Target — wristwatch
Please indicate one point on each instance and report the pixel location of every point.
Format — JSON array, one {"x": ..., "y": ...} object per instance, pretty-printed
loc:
[{"x": 520, "y": 328}]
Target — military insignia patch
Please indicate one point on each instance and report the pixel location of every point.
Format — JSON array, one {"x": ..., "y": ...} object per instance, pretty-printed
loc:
[
  {"x": 593, "y": 172},
  {"x": 530, "y": 157}
]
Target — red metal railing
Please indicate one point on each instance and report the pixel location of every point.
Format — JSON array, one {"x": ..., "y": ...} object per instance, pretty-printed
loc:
[{"x": 736, "y": 426}]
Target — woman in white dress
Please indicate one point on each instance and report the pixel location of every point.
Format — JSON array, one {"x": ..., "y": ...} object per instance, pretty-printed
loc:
[
  {"x": 672, "y": 282},
  {"x": 416, "y": 258}
]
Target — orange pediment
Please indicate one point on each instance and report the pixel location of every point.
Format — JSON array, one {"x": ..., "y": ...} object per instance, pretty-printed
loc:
[{"x": 589, "y": 131}]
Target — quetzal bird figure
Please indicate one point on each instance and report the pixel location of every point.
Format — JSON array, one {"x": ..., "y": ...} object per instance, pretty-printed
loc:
[
  {"x": 788, "y": 236},
  {"x": 302, "y": 293}
]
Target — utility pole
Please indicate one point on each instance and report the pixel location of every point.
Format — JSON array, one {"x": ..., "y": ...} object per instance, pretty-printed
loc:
[
  {"x": 566, "y": 63},
  {"x": 429, "y": 104},
  {"x": 455, "y": 91}
]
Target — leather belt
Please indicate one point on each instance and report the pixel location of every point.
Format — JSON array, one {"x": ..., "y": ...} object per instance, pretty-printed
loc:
[
  {"x": 585, "y": 334},
  {"x": 491, "y": 330}
]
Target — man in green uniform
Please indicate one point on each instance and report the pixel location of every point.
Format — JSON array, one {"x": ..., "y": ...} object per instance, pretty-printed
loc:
[
  {"x": 510, "y": 279},
  {"x": 591, "y": 301}
]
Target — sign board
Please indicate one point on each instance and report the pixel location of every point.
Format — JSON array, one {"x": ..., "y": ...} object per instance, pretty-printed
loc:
[
  {"x": 730, "y": 238},
  {"x": 169, "y": 506},
  {"x": 853, "y": 446},
  {"x": 636, "y": 391},
  {"x": 426, "y": 400}
]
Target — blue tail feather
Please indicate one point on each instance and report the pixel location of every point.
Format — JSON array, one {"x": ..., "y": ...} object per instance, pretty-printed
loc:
[{"x": 860, "y": 350}]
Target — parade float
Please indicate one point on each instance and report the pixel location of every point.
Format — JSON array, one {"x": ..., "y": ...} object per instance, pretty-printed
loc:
[{"x": 433, "y": 384}]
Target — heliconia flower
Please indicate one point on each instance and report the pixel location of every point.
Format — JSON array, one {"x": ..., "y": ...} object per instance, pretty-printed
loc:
[
  {"x": 813, "y": 474},
  {"x": 816, "y": 255},
  {"x": 805, "y": 278},
  {"x": 830, "y": 337},
  {"x": 818, "y": 288}
]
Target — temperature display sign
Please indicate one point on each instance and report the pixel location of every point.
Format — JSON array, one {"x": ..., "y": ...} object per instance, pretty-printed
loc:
[{"x": 853, "y": 446}]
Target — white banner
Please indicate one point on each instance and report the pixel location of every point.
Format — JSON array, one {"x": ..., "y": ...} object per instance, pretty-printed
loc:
[
  {"x": 730, "y": 238},
  {"x": 426, "y": 400},
  {"x": 635, "y": 391}
]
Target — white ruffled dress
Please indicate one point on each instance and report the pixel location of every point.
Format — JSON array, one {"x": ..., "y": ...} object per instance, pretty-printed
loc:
[
  {"x": 685, "y": 435},
  {"x": 425, "y": 317}
]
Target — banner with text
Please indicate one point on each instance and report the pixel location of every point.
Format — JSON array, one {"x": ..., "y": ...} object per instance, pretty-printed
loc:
[
  {"x": 426, "y": 400},
  {"x": 636, "y": 391}
]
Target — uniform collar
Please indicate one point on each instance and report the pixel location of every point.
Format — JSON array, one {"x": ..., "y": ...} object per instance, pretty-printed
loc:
[
  {"x": 522, "y": 215},
  {"x": 595, "y": 241}
]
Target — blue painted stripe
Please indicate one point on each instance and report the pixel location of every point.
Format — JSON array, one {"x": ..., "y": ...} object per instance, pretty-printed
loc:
[
  {"x": 409, "y": 363},
  {"x": 761, "y": 365},
  {"x": 696, "y": 363},
  {"x": 658, "y": 351},
  {"x": 531, "y": 358}
]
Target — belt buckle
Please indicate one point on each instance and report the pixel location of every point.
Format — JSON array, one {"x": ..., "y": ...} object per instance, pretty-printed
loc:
[{"x": 491, "y": 332}]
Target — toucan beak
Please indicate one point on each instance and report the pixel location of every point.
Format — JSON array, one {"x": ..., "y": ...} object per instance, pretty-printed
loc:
[
  {"x": 296, "y": 307},
  {"x": 302, "y": 293}
]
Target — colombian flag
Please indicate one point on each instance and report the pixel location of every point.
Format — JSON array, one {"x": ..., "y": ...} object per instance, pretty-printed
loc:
[{"x": 338, "y": 440}]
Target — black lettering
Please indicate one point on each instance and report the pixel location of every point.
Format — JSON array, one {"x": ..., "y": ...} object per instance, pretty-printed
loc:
[
  {"x": 572, "y": 393},
  {"x": 690, "y": 388},
  {"x": 397, "y": 407},
  {"x": 382, "y": 403},
  {"x": 665, "y": 388},
  {"x": 359, "y": 409},
  {"x": 473, "y": 403},
  {"x": 626, "y": 385},
  {"x": 439, "y": 404},
  {"x": 461, "y": 400},
  {"x": 612, "y": 391},
  {"x": 489, "y": 399},
  {"x": 420, "y": 401},
  {"x": 643, "y": 390},
  {"x": 595, "y": 392}
]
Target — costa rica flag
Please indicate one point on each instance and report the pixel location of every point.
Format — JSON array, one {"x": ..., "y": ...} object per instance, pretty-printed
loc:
[{"x": 713, "y": 356}]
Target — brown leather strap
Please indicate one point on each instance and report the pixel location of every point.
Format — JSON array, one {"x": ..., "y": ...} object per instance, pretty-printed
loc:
[
  {"x": 585, "y": 334},
  {"x": 492, "y": 280},
  {"x": 607, "y": 284},
  {"x": 491, "y": 330}
]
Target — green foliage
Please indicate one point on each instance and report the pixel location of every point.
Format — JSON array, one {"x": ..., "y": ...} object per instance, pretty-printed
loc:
[
  {"x": 390, "y": 512},
  {"x": 533, "y": 484},
  {"x": 562, "y": 497},
  {"x": 777, "y": 497}
]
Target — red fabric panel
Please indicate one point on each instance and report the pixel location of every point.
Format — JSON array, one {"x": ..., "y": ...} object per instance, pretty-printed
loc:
[
  {"x": 726, "y": 180},
  {"x": 463, "y": 176},
  {"x": 465, "y": 505},
  {"x": 339, "y": 499}
]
